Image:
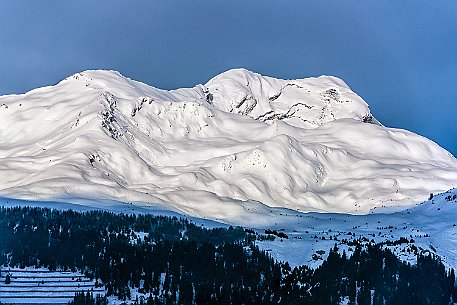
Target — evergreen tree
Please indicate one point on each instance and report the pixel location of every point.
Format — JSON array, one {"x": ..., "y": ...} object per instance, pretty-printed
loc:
[{"x": 8, "y": 279}]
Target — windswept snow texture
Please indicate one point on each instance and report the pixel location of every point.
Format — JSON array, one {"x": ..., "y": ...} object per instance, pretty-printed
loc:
[{"x": 240, "y": 144}]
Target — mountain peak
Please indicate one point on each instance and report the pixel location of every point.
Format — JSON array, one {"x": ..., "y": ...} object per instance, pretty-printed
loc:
[
  {"x": 238, "y": 74},
  {"x": 304, "y": 103},
  {"x": 240, "y": 141}
]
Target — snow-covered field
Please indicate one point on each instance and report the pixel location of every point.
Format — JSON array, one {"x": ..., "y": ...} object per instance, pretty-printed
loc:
[
  {"x": 240, "y": 149},
  {"x": 41, "y": 286}
]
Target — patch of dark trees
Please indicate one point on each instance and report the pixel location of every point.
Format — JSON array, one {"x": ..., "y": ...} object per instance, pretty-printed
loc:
[
  {"x": 178, "y": 262},
  {"x": 87, "y": 298},
  {"x": 274, "y": 232},
  {"x": 451, "y": 197}
]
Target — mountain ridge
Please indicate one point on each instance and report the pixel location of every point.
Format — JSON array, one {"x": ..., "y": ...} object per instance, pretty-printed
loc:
[{"x": 213, "y": 150}]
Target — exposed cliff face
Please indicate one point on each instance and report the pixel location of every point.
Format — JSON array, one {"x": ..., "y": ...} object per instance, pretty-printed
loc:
[{"x": 240, "y": 143}]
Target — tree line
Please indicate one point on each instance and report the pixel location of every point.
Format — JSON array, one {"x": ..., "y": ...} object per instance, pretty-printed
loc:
[{"x": 177, "y": 262}]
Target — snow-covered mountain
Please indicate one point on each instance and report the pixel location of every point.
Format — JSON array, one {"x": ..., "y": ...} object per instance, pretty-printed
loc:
[{"x": 242, "y": 143}]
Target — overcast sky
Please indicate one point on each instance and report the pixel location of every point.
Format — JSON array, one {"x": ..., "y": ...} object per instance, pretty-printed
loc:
[{"x": 400, "y": 56}]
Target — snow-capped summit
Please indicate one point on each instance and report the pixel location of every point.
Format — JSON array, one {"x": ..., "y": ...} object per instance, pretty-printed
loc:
[
  {"x": 305, "y": 103},
  {"x": 241, "y": 143}
]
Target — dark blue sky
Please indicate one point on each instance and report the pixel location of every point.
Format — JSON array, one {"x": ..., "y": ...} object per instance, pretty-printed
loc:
[{"x": 400, "y": 56}]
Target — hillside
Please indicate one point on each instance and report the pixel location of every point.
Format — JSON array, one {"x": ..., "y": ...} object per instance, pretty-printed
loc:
[
  {"x": 145, "y": 259},
  {"x": 240, "y": 143},
  {"x": 42, "y": 286}
]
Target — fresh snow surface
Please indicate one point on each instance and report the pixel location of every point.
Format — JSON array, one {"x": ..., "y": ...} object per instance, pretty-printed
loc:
[{"x": 240, "y": 146}]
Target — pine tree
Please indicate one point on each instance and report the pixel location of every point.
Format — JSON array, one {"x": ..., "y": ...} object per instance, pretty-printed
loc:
[{"x": 8, "y": 279}]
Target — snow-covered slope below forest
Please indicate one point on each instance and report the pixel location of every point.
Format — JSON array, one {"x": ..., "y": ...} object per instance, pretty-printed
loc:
[{"x": 242, "y": 143}]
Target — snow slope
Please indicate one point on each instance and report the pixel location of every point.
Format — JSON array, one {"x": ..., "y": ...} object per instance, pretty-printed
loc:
[
  {"x": 241, "y": 144},
  {"x": 431, "y": 226},
  {"x": 42, "y": 286}
]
